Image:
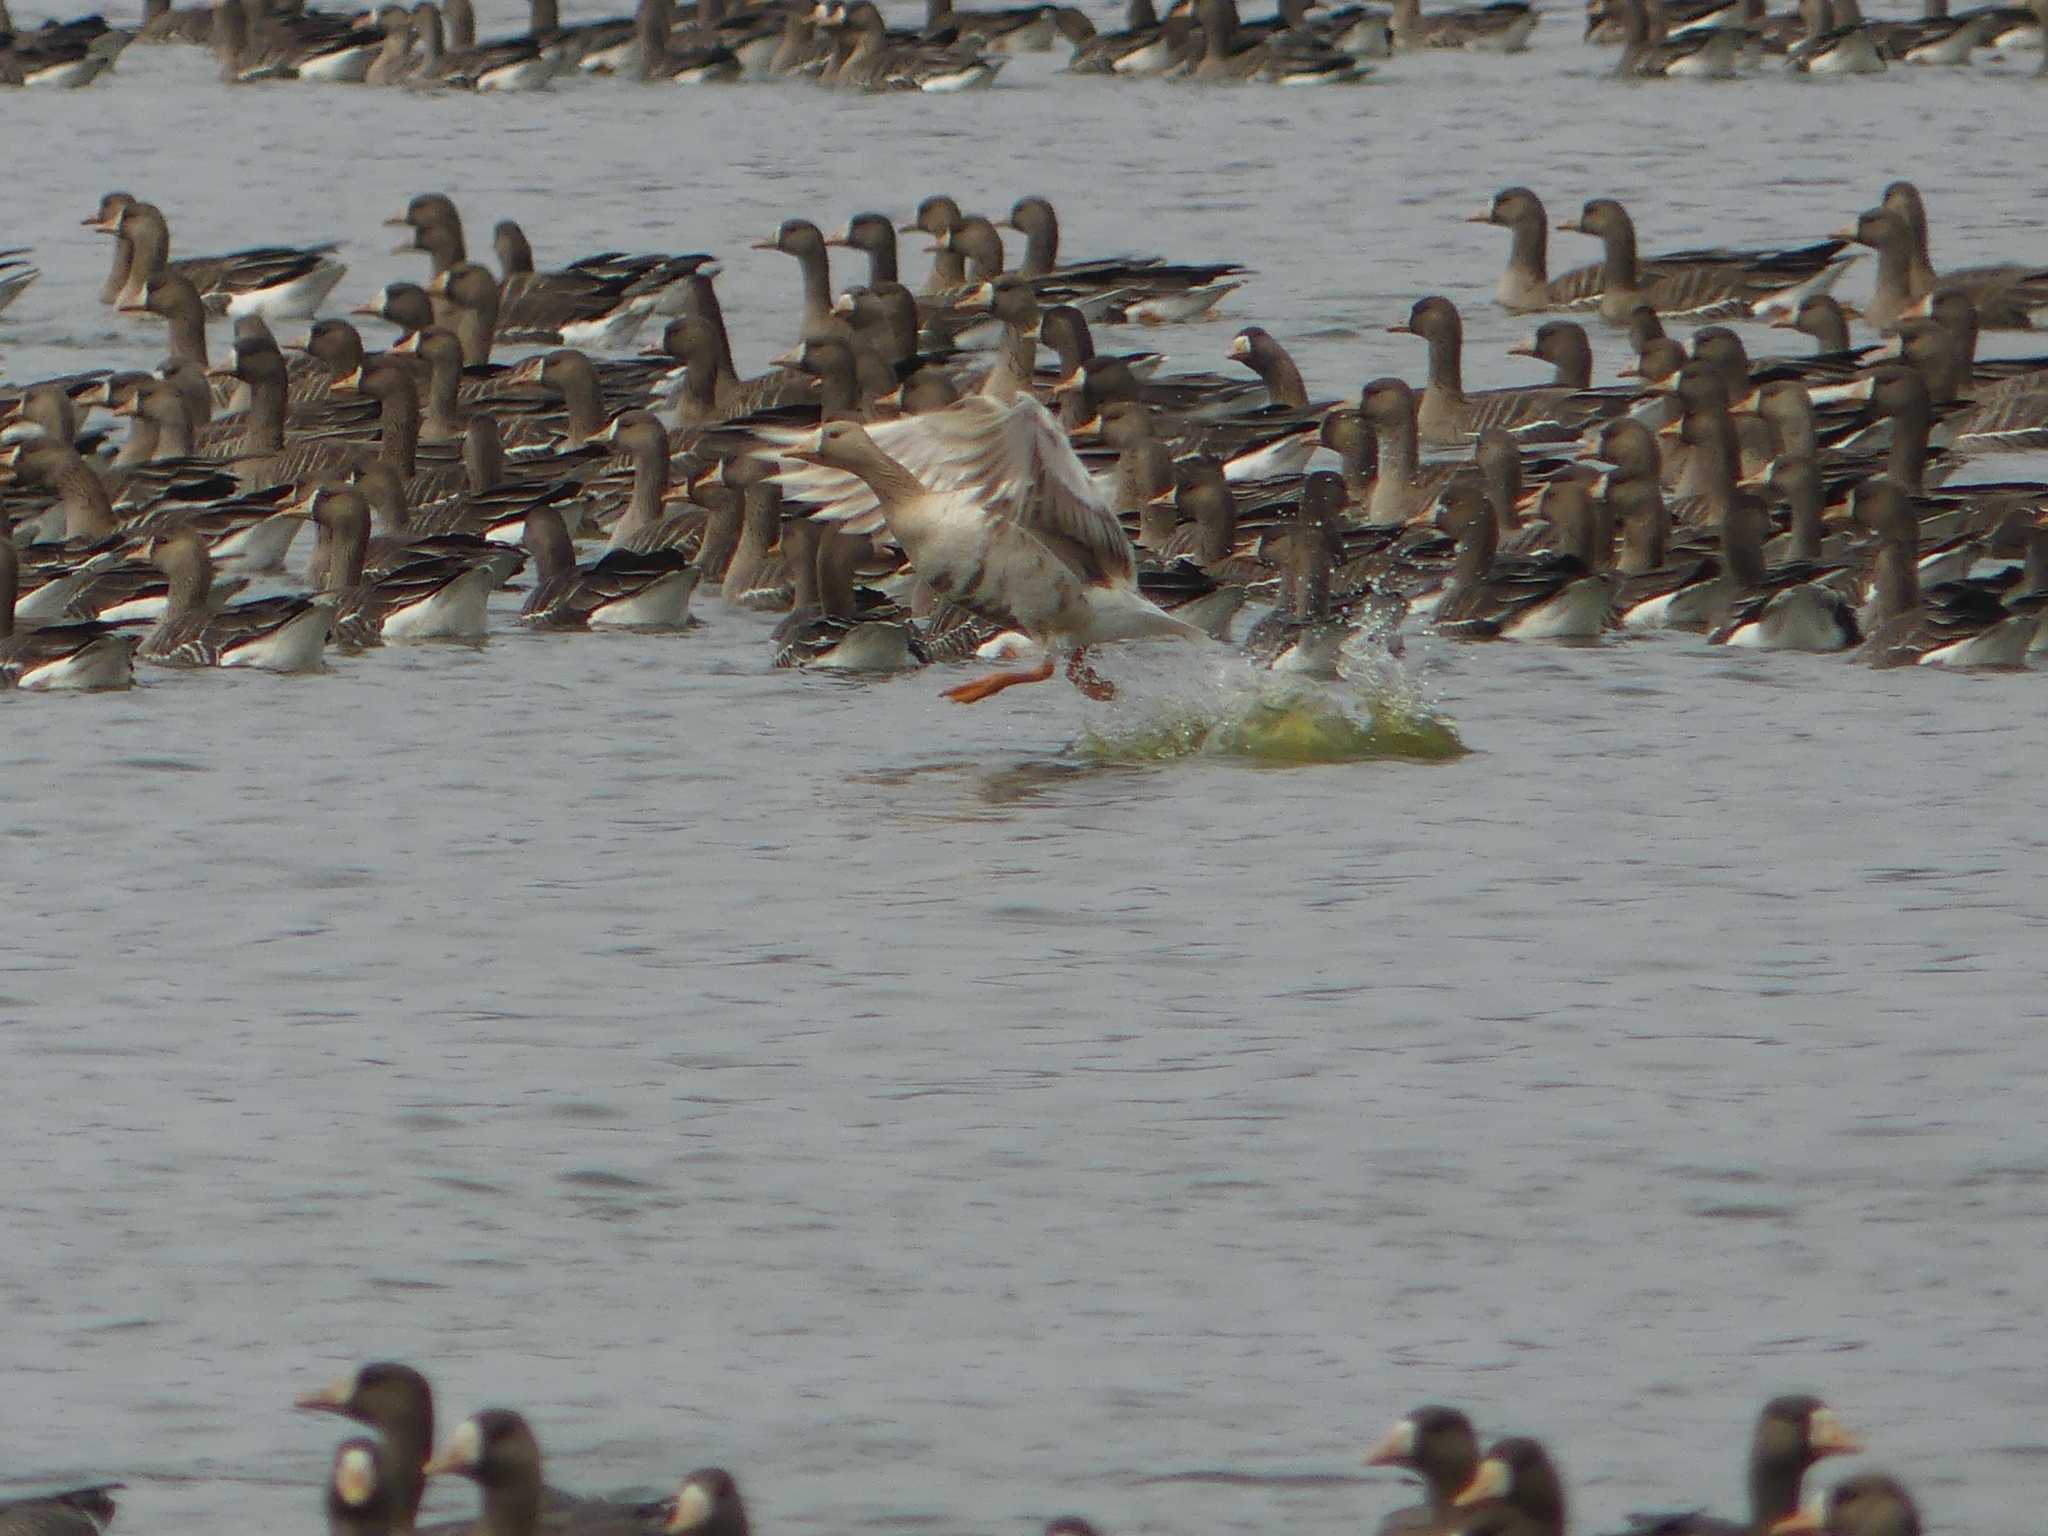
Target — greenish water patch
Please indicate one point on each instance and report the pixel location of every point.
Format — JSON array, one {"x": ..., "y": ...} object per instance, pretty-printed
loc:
[{"x": 1281, "y": 724}]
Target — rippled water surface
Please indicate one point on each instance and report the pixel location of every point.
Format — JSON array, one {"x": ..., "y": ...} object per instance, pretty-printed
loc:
[{"x": 855, "y": 1090}]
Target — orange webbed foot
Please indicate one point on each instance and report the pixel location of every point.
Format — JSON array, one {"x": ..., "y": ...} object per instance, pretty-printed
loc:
[{"x": 988, "y": 687}]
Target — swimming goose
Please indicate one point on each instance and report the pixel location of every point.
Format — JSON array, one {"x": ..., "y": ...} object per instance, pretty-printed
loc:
[
  {"x": 1650, "y": 52},
  {"x": 1518, "y": 1476},
  {"x": 1954, "y": 624},
  {"x": 1935, "y": 37},
  {"x": 76, "y": 656},
  {"x": 1404, "y": 489},
  {"x": 1305, "y": 634},
  {"x": 874, "y": 236},
  {"x": 436, "y": 230},
  {"x": 640, "y": 437},
  {"x": 1563, "y": 345},
  {"x": 278, "y": 634},
  {"x": 82, "y": 496},
  {"x": 279, "y": 282},
  {"x": 255, "y": 44},
  {"x": 937, "y": 216},
  {"x": 1526, "y": 285},
  {"x": 83, "y": 1511},
  {"x": 1281, "y": 59},
  {"x": 1149, "y": 285},
  {"x": 1449, "y": 417},
  {"x": 826, "y": 630},
  {"x": 1700, "y": 284},
  {"x": 873, "y": 61},
  {"x": 1837, "y": 41},
  {"x": 1255, "y": 347},
  {"x": 801, "y": 239},
  {"x": 1142, "y": 47},
  {"x": 1015, "y": 29},
  {"x": 1868, "y": 1504},
  {"x": 1501, "y": 27},
  {"x": 625, "y": 589},
  {"x": 2005, "y": 296},
  {"x": 16, "y": 273},
  {"x": 1792, "y": 1435},
  {"x": 395, "y": 1400},
  {"x": 994, "y": 513},
  {"x": 1821, "y": 316},
  {"x": 598, "y": 302},
  {"x": 707, "y": 1503},
  {"x": 1438, "y": 1445},
  {"x": 1550, "y": 597},
  {"x": 426, "y": 596},
  {"x": 360, "y": 1500}
]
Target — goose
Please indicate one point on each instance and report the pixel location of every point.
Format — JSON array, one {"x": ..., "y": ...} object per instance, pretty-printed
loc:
[
  {"x": 83, "y": 657},
  {"x": 1501, "y": 27},
  {"x": 1306, "y": 633},
  {"x": 1004, "y": 523},
  {"x": 708, "y": 1503},
  {"x": 17, "y": 272},
  {"x": 305, "y": 45},
  {"x": 279, "y": 634},
  {"x": 1935, "y": 37},
  {"x": 1563, "y": 345},
  {"x": 1517, "y": 1477},
  {"x": 1142, "y": 47},
  {"x": 1553, "y": 597},
  {"x": 395, "y": 1400},
  {"x": 1868, "y": 1504},
  {"x": 1706, "y": 284},
  {"x": 1147, "y": 283},
  {"x": 427, "y": 597},
  {"x": 1650, "y": 52},
  {"x": 1016, "y": 29},
  {"x": 1837, "y": 41},
  {"x": 625, "y": 589},
  {"x": 1403, "y": 489},
  {"x": 277, "y": 282},
  {"x": 1526, "y": 285},
  {"x": 1449, "y": 417},
  {"x": 876, "y": 62},
  {"x": 1281, "y": 59},
  {"x": 1438, "y": 1445},
  {"x": 2005, "y": 296},
  {"x": 1954, "y": 624},
  {"x": 826, "y": 630},
  {"x": 52, "y": 59},
  {"x": 360, "y": 1498},
  {"x": 1821, "y": 316}
]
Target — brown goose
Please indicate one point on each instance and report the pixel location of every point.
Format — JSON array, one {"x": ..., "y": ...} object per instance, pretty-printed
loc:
[
  {"x": 1501, "y": 27},
  {"x": 278, "y": 634},
  {"x": 1956, "y": 624},
  {"x": 1439, "y": 1446},
  {"x": 1792, "y": 1435},
  {"x": 360, "y": 1501},
  {"x": 1701, "y": 284},
  {"x": 625, "y": 589},
  {"x": 1868, "y": 1504},
  {"x": 395, "y": 1400},
  {"x": 2005, "y": 296},
  {"x": 279, "y": 282},
  {"x": 85, "y": 657},
  {"x": 1404, "y": 489},
  {"x": 1447, "y": 416}
]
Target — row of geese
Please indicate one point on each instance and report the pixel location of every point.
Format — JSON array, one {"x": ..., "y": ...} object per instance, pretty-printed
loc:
[
  {"x": 849, "y": 43},
  {"x": 1513, "y": 1488},
  {"x": 915, "y": 482}
]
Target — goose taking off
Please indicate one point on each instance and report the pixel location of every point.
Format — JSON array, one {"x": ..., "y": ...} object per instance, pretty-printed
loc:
[{"x": 995, "y": 513}]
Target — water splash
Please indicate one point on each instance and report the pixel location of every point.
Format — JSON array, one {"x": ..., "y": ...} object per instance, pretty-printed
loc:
[{"x": 1372, "y": 711}]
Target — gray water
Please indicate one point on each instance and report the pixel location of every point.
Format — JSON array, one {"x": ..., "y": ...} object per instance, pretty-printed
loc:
[{"x": 854, "y": 1090}]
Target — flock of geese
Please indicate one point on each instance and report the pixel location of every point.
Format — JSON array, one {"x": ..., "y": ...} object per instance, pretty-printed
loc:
[
  {"x": 916, "y": 481},
  {"x": 849, "y": 43},
  {"x": 1513, "y": 1488}
]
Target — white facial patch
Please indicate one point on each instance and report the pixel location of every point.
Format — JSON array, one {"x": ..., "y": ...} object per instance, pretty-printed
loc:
[
  {"x": 355, "y": 1476},
  {"x": 693, "y": 1508}
]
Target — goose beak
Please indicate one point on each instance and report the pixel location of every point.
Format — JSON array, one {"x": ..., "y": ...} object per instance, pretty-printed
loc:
[
  {"x": 397, "y": 221},
  {"x": 1827, "y": 1436},
  {"x": 1570, "y": 227},
  {"x": 981, "y": 297},
  {"x": 843, "y": 305},
  {"x": 841, "y": 237},
  {"x": 375, "y": 311},
  {"x": 1525, "y": 348},
  {"x": 349, "y": 383},
  {"x": 1240, "y": 349},
  {"x": 690, "y": 1508},
  {"x": 1784, "y": 320},
  {"x": 134, "y": 309},
  {"x": 1490, "y": 1481},
  {"x": 1846, "y": 232},
  {"x": 1480, "y": 218},
  {"x": 1403, "y": 329},
  {"x": 1396, "y": 1448},
  {"x": 407, "y": 343},
  {"x": 767, "y": 245},
  {"x": 438, "y": 284}
]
